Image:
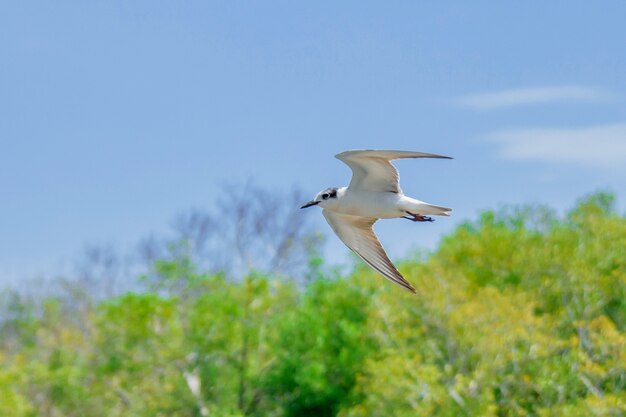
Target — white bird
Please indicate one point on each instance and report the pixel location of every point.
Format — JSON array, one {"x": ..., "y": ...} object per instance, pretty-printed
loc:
[{"x": 373, "y": 193}]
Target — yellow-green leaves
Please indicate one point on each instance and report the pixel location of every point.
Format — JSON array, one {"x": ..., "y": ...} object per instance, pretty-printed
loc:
[{"x": 519, "y": 313}]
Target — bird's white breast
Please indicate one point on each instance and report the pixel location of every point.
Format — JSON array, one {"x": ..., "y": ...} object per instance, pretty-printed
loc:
[{"x": 381, "y": 205}]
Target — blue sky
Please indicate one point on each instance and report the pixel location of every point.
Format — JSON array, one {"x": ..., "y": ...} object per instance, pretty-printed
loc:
[{"x": 115, "y": 116}]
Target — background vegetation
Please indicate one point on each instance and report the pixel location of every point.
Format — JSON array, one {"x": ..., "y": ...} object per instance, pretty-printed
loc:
[{"x": 521, "y": 312}]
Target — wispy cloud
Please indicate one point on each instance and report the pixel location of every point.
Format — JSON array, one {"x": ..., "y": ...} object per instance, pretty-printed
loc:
[
  {"x": 602, "y": 147},
  {"x": 528, "y": 96}
]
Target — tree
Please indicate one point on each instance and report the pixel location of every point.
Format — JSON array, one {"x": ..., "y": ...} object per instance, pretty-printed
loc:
[{"x": 251, "y": 229}]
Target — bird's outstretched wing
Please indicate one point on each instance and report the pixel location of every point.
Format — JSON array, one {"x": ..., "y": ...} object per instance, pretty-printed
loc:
[
  {"x": 373, "y": 171},
  {"x": 357, "y": 233}
]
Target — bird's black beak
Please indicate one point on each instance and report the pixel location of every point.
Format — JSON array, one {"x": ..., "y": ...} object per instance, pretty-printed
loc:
[{"x": 310, "y": 203}]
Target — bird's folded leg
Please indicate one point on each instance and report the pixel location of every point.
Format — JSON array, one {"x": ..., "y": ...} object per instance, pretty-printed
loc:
[{"x": 418, "y": 218}]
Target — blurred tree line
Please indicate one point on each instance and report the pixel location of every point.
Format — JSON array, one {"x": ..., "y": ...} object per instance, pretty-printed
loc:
[{"x": 521, "y": 312}]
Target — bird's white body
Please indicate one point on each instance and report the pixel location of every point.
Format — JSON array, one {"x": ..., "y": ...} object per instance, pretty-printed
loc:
[
  {"x": 380, "y": 205},
  {"x": 374, "y": 193}
]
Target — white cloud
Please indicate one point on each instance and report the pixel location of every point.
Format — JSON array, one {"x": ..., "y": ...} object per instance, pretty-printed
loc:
[
  {"x": 602, "y": 147},
  {"x": 528, "y": 96}
]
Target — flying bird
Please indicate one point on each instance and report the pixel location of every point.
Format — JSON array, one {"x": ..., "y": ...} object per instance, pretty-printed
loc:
[{"x": 373, "y": 193}]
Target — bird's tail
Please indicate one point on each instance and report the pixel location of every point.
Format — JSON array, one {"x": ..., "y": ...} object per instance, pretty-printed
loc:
[{"x": 430, "y": 209}]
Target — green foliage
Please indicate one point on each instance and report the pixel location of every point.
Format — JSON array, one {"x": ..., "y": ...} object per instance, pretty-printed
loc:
[
  {"x": 519, "y": 313},
  {"x": 321, "y": 346}
]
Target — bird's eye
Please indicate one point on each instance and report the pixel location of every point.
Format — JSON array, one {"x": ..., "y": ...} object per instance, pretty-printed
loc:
[{"x": 324, "y": 196}]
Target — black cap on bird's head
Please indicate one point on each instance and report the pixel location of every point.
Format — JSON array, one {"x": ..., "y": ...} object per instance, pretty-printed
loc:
[{"x": 321, "y": 197}]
